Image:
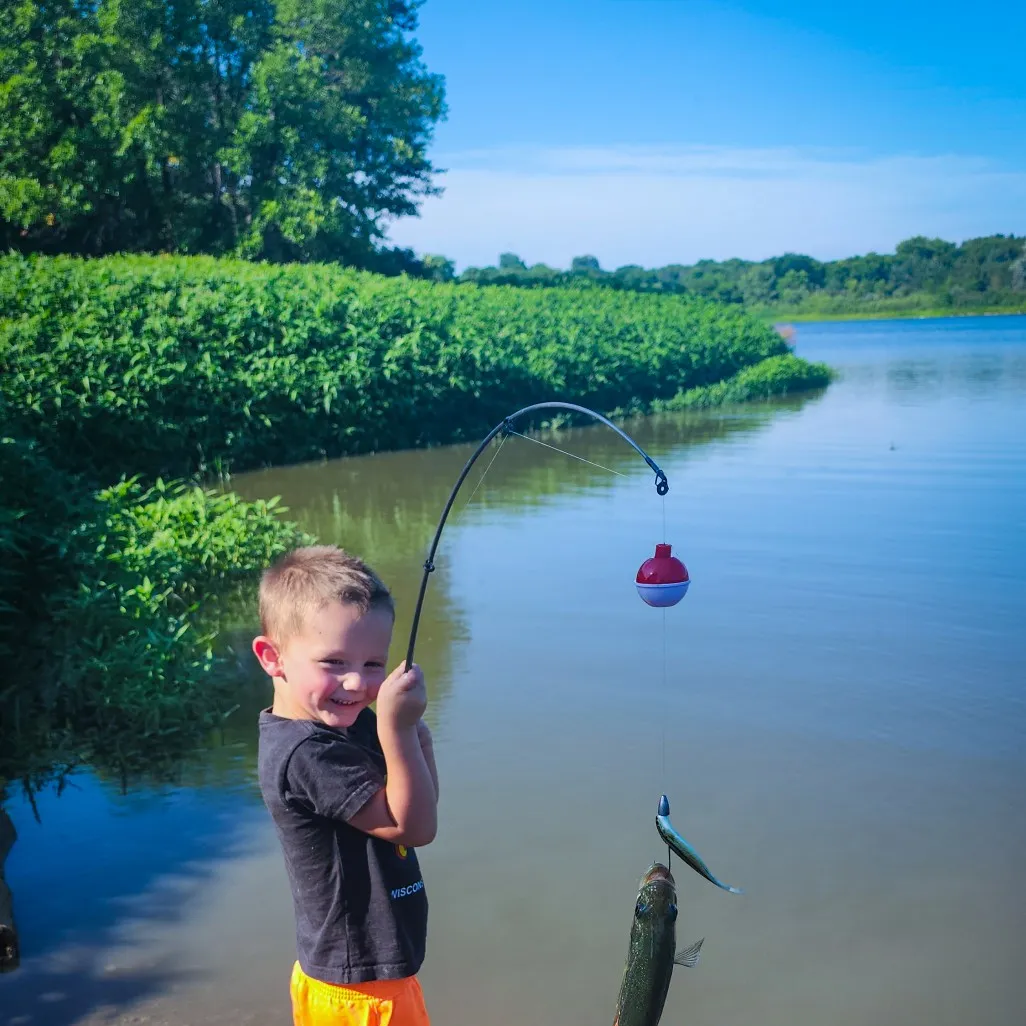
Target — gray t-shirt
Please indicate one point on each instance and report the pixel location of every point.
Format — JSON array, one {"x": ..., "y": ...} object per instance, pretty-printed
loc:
[{"x": 361, "y": 909}]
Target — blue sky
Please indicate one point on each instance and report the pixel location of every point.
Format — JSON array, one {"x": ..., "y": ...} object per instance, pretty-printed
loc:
[{"x": 659, "y": 131}]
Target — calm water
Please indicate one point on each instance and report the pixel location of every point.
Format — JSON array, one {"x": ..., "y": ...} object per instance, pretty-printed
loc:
[{"x": 837, "y": 711}]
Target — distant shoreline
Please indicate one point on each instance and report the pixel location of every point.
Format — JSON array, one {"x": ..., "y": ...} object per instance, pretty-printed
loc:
[{"x": 889, "y": 315}]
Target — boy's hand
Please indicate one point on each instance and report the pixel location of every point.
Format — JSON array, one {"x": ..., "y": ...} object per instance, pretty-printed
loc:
[{"x": 403, "y": 697}]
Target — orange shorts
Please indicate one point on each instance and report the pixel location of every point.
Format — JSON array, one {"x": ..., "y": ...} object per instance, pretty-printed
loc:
[{"x": 377, "y": 1003}]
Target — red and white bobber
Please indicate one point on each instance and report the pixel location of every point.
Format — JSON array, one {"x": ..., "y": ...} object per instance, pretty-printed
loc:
[{"x": 662, "y": 579}]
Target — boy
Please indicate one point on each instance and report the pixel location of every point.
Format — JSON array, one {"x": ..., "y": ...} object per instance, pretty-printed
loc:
[{"x": 351, "y": 794}]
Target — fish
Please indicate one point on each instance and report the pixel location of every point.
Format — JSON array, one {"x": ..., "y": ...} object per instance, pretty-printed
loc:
[
  {"x": 651, "y": 957},
  {"x": 683, "y": 849}
]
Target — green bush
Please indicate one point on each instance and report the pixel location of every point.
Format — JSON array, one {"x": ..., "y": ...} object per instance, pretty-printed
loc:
[
  {"x": 776, "y": 375},
  {"x": 109, "y": 597},
  {"x": 162, "y": 365}
]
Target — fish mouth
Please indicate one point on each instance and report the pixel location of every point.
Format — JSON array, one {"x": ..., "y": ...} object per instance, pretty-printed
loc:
[{"x": 657, "y": 872}]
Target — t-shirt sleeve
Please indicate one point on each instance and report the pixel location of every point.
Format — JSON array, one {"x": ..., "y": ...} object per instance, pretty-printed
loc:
[{"x": 332, "y": 778}]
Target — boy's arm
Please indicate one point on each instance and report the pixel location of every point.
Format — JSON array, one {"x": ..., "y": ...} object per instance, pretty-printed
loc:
[
  {"x": 404, "y": 811},
  {"x": 428, "y": 748}
]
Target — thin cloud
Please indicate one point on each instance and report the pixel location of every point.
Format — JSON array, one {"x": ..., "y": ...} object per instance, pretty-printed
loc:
[{"x": 655, "y": 206}]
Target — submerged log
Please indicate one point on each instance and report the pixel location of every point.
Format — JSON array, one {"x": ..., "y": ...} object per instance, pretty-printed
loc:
[{"x": 9, "y": 953}]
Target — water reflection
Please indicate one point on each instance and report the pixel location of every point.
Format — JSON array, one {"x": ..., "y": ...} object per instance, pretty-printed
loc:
[{"x": 386, "y": 506}]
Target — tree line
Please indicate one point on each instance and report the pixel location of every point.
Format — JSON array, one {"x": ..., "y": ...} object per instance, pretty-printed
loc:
[
  {"x": 292, "y": 130},
  {"x": 988, "y": 271}
]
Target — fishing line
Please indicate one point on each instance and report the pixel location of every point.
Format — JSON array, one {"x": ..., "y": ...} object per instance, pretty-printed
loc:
[
  {"x": 662, "y": 719},
  {"x": 505, "y": 426},
  {"x": 484, "y": 474},
  {"x": 495, "y": 456},
  {"x": 565, "y": 453},
  {"x": 506, "y": 434}
]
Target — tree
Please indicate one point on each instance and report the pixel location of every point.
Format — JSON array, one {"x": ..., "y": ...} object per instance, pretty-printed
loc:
[
  {"x": 793, "y": 286},
  {"x": 922, "y": 264},
  {"x": 1018, "y": 275},
  {"x": 802, "y": 264},
  {"x": 987, "y": 269},
  {"x": 511, "y": 262},
  {"x": 438, "y": 268},
  {"x": 758, "y": 285},
  {"x": 278, "y": 129},
  {"x": 986, "y": 263}
]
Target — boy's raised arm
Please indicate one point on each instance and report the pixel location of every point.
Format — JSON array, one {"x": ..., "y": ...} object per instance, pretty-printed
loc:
[{"x": 404, "y": 811}]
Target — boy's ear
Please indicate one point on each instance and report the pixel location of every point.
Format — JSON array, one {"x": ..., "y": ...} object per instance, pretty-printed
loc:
[{"x": 268, "y": 656}]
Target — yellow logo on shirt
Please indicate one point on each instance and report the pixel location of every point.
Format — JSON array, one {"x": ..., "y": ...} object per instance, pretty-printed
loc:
[{"x": 401, "y": 850}]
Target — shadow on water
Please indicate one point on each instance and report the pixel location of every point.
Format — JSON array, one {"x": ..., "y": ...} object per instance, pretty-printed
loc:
[
  {"x": 63, "y": 996},
  {"x": 89, "y": 861},
  {"x": 97, "y": 852}
]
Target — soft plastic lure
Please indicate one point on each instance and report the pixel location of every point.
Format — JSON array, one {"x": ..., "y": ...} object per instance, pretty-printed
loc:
[{"x": 683, "y": 849}]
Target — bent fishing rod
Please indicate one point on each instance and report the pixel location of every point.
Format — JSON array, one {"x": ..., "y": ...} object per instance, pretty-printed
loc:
[{"x": 505, "y": 427}]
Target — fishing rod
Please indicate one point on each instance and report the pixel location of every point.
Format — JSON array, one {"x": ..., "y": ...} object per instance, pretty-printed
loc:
[{"x": 505, "y": 426}]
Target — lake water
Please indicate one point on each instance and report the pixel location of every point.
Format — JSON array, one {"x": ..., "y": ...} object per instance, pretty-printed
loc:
[{"x": 837, "y": 711}]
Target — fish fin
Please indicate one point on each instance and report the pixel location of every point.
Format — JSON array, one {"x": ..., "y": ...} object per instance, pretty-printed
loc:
[{"x": 689, "y": 956}]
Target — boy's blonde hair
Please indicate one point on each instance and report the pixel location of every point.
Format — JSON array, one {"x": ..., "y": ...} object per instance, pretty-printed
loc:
[{"x": 308, "y": 578}]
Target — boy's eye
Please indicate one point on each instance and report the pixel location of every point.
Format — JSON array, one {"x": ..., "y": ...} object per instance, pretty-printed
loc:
[{"x": 370, "y": 664}]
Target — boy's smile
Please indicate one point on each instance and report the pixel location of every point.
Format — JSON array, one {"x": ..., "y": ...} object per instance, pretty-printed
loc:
[{"x": 333, "y": 668}]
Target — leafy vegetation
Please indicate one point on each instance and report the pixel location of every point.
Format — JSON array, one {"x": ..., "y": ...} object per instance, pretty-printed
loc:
[
  {"x": 165, "y": 366},
  {"x": 106, "y": 601},
  {"x": 281, "y": 130},
  {"x": 776, "y": 375},
  {"x": 922, "y": 275}
]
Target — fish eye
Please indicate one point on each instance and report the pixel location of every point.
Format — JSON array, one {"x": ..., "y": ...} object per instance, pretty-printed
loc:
[{"x": 672, "y": 910}]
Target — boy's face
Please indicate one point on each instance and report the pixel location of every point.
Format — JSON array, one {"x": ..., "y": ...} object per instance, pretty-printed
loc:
[{"x": 333, "y": 668}]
